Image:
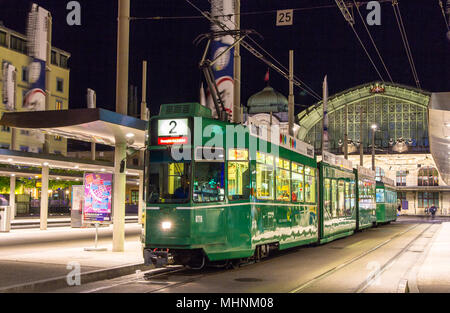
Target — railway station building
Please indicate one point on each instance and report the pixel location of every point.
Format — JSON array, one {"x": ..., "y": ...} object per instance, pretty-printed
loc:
[{"x": 403, "y": 145}]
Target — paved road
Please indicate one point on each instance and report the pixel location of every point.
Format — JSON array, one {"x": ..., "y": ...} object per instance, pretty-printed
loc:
[{"x": 368, "y": 261}]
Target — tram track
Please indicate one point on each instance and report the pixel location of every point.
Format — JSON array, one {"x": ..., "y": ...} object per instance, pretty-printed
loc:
[
  {"x": 178, "y": 276},
  {"x": 153, "y": 273},
  {"x": 365, "y": 284}
]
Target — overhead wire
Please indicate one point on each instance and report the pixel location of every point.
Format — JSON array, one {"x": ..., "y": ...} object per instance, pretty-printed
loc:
[
  {"x": 443, "y": 13},
  {"x": 405, "y": 41},
  {"x": 302, "y": 85},
  {"x": 373, "y": 42},
  {"x": 297, "y": 82},
  {"x": 349, "y": 18}
]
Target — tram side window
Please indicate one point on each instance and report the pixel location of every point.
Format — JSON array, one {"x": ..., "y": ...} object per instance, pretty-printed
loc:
[
  {"x": 209, "y": 182},
  {"x": 297, "y": 183},
  {"x": 169, "y": 183},
  {"x": 348, "y": 197},
  {"x": 310, "y": 184},
  {"x": 380, "y": 195},
  {"x": 238, "y": 175},
  {"x": 334, "y": 201},
  {"x": 264, "y": 176},
  {"x": 341, "y": 198},
  {"x": 326, "y": 195},
  {"x": 353, "y": 197},
  {"x": 283, "y": 180}
]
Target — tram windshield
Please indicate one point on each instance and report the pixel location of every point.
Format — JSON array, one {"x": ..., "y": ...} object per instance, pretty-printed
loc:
[{"x": 169, "y": 182}]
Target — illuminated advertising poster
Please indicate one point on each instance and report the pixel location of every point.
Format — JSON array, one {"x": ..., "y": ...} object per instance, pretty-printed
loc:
[{"x": 97, "y": 197}]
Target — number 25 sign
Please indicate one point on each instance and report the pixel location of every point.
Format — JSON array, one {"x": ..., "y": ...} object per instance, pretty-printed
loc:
[{"x": 285, "y": 17}]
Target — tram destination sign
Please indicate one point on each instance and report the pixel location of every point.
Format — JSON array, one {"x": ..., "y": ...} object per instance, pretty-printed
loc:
[
  {"x": 173, "y": 127},
  {"x": 173, "y": 131}
]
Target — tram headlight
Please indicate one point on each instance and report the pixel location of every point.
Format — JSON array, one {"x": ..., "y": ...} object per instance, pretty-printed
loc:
[{"x": 166, "y": 225}]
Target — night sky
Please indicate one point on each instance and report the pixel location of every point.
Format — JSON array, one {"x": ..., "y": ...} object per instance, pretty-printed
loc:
[{"x": 322, "y": 41}]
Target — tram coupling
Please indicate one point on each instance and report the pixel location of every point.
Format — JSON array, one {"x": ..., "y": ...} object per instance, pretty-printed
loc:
[{"x": 158, "y": 257}]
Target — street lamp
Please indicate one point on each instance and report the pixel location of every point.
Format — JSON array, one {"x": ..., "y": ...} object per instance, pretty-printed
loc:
[{"x": 374, "y": 128}]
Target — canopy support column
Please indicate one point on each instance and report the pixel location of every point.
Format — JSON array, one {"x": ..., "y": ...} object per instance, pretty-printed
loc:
[
  {"x": 12, "y": 196},
  {"x": 44, "y": 198},
  {"x": 120, "y": 160},
  {"x": 141, "y": 203}
]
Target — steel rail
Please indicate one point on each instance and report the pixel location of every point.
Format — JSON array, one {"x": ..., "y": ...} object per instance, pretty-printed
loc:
[
  {"x": 364, "y": 285},
  {"x": 352, "y": 260}
]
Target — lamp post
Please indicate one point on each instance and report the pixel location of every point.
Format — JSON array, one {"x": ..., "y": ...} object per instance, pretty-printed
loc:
[{"x": 374, "y": 128}]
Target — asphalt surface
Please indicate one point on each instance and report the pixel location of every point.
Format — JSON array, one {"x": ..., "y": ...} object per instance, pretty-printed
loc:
[{"x": 374, "y": 260}]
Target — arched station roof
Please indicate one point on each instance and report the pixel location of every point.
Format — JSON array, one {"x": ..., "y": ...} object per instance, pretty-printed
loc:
[{"x": 406, "y": 94}]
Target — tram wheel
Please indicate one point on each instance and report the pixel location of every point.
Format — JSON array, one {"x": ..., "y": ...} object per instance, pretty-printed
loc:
[{"x": 194, "y": 265}]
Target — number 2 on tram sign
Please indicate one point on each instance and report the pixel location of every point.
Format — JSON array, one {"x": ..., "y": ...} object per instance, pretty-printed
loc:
[{"x": 285, "y": 17}]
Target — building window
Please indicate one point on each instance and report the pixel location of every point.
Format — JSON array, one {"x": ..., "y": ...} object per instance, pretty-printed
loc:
[
  {"x": 59, "y": 84},
  {"x": 401, "y": 178},
  {"x": 24, "y": 132},
  {"x": 58, "y": 138},
  {"x": 401, "y": 196},
  {"x": 18, "y": 44},
  {"x": 63, "y": 60},
  {"x": 24, "y": 148},
  {"x": 24, "y": 74},
  {"x": 135, "y": 161},
  {"x": 54, "y": 58},
  {"x": 2, "y": 39},
  {"x": 428, "y": 176},
  {"x": 134, "y": 196},
  {"x": 6, "y": 129},
  {"x": 59, "y": 105},
  {"x": 4, "y": 145},
  {"x": 428, "y": 199}
]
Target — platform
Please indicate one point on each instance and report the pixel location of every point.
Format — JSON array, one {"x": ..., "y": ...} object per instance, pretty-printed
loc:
[{"x": 30, "y": 255}]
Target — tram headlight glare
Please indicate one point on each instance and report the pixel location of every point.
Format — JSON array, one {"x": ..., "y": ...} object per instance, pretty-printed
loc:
[{"x": 166, "y": 225}]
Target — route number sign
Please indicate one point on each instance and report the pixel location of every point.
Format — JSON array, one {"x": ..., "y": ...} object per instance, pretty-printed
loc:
[
  {"x": 173, "y": 127},
  {"x": 285, "y": 17}
]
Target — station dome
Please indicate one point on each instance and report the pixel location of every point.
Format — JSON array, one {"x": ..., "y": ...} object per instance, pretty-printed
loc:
[{"x": 266, "y": 101}]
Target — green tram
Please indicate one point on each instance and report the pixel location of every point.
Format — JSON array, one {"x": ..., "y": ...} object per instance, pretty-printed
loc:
[
  {"x": 338, "y": 210},
  {"x": 366, "y": 204},
  {"x": 386, "y": 201},
  {"x": 218, "y": 191}
]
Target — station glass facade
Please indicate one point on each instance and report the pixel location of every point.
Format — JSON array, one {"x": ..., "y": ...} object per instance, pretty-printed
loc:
[{"x": 402, "y": 150}]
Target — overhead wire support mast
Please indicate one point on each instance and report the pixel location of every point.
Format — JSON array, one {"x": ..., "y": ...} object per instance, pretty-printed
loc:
[
  {"x": 256, "y": 53},
  {"x": 349, "y": 18}
]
